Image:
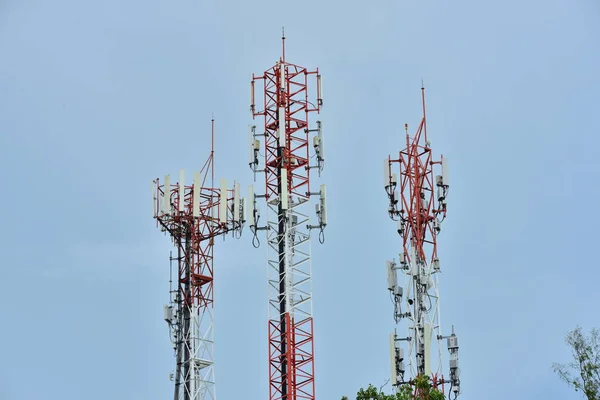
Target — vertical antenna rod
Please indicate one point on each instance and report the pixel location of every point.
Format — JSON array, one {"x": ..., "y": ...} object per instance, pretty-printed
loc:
[
  {"x": 194, "y": 215},
  {"x": 287, "y": 192},
  {"x": 419, "y": 207}
]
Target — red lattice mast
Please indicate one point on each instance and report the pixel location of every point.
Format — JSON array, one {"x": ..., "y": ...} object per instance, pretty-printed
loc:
[
  {"x": 194, "y": 215},
  {"x": 419, "y": 208},
  {"x": 287, "y": 170}
]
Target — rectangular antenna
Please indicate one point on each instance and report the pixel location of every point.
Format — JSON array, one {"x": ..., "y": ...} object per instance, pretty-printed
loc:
[
  {"x": 427, "y": 348},
  {"x": 392, "y": 277},
  {"x": 284, "y": 189},
  {"x": 250, "y": 145},
  {"x": 319, "y": 90},
  {"x": 181, "y": 190},
  {"x": 386, "y": 172},
  {"x": 196, "y": 195},
  {"x": 281, "y": 129},
  {"x": 282, "y": 81},
  {"x": 320, "y": 136},
  {"x": 323, "y": 204},
  {"x": 445, "y": 171},
  {"x": 252, "y": 96},
  {"x": 244, "y": 212},
  {"x": 252, "y": 204},
  {"x": 413, "y": 262},
  {"x": 223, "y": 202},
  {"x": 167, "y": 199},
  {"x": 236, "y": 202},
  {"x": 393, "y": 359}
]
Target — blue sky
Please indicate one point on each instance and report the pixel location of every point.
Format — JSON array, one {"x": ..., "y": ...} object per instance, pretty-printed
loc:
[{"x": 98, "y": 98}]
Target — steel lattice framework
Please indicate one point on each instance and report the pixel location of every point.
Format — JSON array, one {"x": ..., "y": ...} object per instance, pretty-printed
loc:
[
  {"x": 419, "y": 208},
  {"x": 287, "y": 192},
  {"x": 193, "y": 216}
]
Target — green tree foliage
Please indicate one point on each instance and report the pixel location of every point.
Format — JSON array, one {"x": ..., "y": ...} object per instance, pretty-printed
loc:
[
  {"x": 421, "y": 383},
  {"x": 583, "y": 373}
]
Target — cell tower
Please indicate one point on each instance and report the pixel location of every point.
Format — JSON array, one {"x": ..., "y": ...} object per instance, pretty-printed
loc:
[
  {"x": 419, "y": 209},
  {"x": 287, "y": 167},
  {"x": 194, "y": 215}
]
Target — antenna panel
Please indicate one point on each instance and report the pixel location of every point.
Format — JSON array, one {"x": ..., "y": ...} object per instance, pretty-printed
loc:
[
  {"x": 236, "y": 202},
  {"x": 284, "y": 189},
  {"x": 323, "y": 204},
  {"x": 386, "y": 172},
  {"x": 393, "y": 359},
  {"x": 250, "y": 145},
  {"x": 282, "y": 81},
  {"x": 281, "y": 129},
  {"x": 181, "y": 191},
  {"x": 196, "y": 195},
  {"x": 223, "y": 202},
  {"x": 445, "y": 171},
  {"x": 392, "y": 277},
  {"x": 320, "y": 136},
  {"x": 319, "y": 89},
  {"x": 167, "y": 199},
  {"x": 427, "y": 344},
  {"x": 244, "y": 212},
  {"x": 252, "y": 203}
]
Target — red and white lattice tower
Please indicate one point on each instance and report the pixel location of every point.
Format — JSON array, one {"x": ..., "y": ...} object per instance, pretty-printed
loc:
[
  {"x": 419, "y": 208},
  {"x": 287, "y": 170},
  {"x": 193, "y": 215}
]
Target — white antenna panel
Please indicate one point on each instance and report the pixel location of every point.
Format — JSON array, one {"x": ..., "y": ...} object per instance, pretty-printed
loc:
[
  {"x": 252, "y": 94},
  {"x": 252, "y": 203},
  {"x": 167, "y": 199},
  {"x": 392, "y": 277},
  {"x": 427, "y": 348},
  {"x": 393, "y": 359},
  {"x": 223, "y": 202},
  {"x": 236, "y": 202},
  {"x": 250, "y": 145},
  {"x": 394, "y": 179},
  {"x": 181, "y": 190},
  {"x": 319, "y": 88},
  {"x": 445, "y": 171},
  {"x": 281, "y": 130},
  {"x": 284, "y": 189},
  {"x": 196, "y": 195},
  {"x": 282, "y": 82},
  {"x": 320, "y": 136},
  {"x": 413, "y": 262},
  {"x": 324, "y": 204},
  {"x": 386, "y": 172}
]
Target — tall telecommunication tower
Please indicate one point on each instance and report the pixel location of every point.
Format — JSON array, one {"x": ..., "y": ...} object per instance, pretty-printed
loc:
[
  {"x": 287, "y": 167},
  {"x": 194, "y": 215},
  {"x": 419, "y": 209}
]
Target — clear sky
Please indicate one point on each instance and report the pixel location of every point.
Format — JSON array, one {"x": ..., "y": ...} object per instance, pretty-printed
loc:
[{"x": 98, "y": 98}]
